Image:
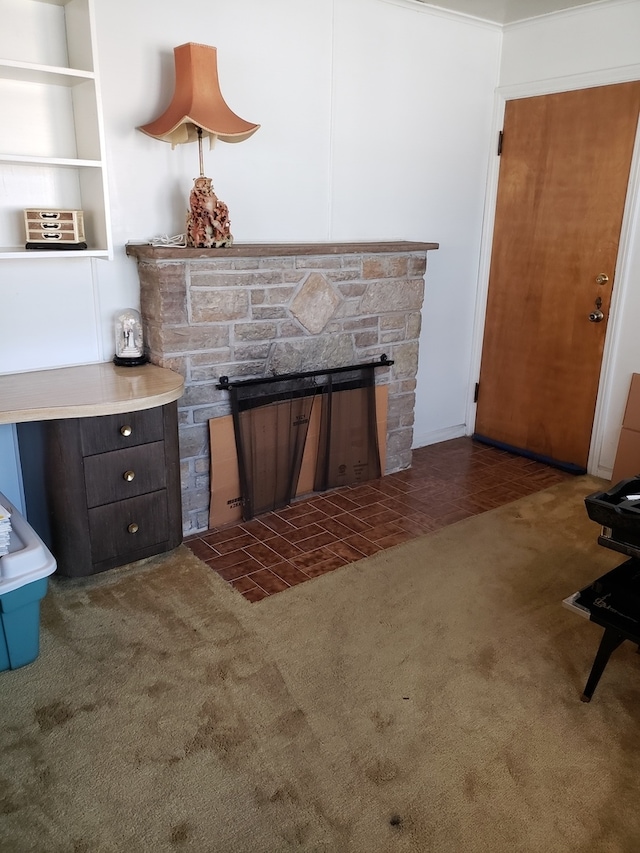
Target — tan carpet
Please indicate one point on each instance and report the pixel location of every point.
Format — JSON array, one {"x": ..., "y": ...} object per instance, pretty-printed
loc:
[{"x": 425, "y": 699}]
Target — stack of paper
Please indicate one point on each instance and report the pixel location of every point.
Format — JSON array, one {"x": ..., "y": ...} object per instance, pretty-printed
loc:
[{"x": 5, "y": 530}]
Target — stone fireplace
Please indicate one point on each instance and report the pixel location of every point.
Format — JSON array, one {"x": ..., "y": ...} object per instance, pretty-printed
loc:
[{"x": 267, "y": 309}]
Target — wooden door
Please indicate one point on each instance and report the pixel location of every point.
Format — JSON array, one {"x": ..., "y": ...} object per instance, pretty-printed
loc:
[{"x": 563, "y": 180}]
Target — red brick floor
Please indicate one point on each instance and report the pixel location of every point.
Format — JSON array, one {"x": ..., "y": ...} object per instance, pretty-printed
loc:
[{"x": 447, "y": 482}]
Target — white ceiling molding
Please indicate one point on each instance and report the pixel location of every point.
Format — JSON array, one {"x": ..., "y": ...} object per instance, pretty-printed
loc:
[
  {"x": 421, "y": 6},
  {"x": 508, "y": 12}
]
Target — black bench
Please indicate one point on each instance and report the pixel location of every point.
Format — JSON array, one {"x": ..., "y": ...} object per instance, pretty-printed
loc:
[{"x": 613, "y": 602}]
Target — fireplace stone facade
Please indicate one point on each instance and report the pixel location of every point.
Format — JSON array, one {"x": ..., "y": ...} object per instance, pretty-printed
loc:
[{"x": 267, "y": 309}]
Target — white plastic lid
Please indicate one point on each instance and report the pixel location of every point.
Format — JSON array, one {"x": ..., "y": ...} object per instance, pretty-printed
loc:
[{"x": 28, "y": 559}]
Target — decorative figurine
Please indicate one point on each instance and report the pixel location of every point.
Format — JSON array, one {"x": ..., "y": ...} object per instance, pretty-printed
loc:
[
  {"x": 208, "y": 225},
  {"x": 129, "y": 340}
]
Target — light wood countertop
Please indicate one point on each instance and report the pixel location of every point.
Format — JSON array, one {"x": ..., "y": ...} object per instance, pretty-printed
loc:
[{"x": 85, "y": 391}]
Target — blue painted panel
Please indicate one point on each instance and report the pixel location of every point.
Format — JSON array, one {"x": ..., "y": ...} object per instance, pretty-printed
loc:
[{"x": 10, "y": 473}]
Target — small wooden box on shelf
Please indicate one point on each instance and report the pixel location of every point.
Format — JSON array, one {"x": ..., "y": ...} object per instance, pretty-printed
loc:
[{"x": 54, "y": 228}]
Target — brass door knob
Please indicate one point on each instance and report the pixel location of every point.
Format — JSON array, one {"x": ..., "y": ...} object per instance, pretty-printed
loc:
[
  {"x": 133, "y": 527},
  {"x": 129, "y": 476},
  {"x": 602, "y": 278},
  {"x": 126, "y": 430}
]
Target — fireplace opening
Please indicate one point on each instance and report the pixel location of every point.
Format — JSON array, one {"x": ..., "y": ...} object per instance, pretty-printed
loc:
[{"x": 271, "y": 421}]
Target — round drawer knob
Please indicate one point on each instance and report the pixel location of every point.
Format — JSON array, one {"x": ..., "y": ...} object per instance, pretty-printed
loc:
[
  {"x": 129, "y": 475},
  {"x": 133, "y": 527},
  {"x": 126, "y": 430}
]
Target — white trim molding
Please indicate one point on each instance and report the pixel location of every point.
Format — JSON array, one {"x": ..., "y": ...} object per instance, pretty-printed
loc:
[
  {"x": 623, "y": 283},
  {"x": 586, "y": 80},
  {"x": 449, "y": 14},
  {"x": 567, "y": 13}
]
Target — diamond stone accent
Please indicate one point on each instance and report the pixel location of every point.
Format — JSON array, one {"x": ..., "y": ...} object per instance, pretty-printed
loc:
[{"x": 315, "y": 303}]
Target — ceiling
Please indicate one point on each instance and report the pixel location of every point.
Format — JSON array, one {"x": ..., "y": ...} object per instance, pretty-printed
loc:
[{"x": 508, "y": 11}]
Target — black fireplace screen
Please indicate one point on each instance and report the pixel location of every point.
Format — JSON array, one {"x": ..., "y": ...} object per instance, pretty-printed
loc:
[{"x": 271, "y": 419}]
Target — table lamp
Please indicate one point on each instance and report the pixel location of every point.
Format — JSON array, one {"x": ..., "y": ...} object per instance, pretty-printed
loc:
[{"x": 198, "y": 109}]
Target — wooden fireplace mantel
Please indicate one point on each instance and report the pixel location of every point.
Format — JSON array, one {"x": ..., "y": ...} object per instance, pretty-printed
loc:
[{"x": 276, "y": 250}]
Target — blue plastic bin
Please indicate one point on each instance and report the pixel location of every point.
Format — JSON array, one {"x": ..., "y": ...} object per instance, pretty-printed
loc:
[{"x": 24, "y": 575}]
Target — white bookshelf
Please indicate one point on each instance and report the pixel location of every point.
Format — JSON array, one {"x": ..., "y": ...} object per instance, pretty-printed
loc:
[{"x": 51, "y": 134}]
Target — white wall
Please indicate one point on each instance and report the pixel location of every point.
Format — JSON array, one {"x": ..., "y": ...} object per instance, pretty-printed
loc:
[
  {"x": 585, "y": 40},
  {"x": 413, "y": 100},
  {"x": 591, "y": 46},
  {"x": 375, "y": 124},
  {"x": 376, "y": 119},
  {"x": 274, "y": 69}
]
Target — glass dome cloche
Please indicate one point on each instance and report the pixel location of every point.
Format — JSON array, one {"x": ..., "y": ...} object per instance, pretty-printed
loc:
[{"x": 129, "y": 339}]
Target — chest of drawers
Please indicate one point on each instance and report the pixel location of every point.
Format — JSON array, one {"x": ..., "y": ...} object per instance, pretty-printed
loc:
[{"x": 104, "y": 491}]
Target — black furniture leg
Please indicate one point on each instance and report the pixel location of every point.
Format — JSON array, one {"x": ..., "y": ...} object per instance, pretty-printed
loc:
[{"x": 611, "y": 639}]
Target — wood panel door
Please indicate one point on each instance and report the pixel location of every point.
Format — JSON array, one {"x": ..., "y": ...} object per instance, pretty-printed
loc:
[{"x": 563, "y": 180}]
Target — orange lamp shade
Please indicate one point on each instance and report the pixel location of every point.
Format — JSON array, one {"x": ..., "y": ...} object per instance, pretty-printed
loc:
[{"x": 198, "y": 102}]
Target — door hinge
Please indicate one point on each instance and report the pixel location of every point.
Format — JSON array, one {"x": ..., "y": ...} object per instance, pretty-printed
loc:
[
  {"x": 500, "y": 138},
  {"x": 476, "y": 392}
]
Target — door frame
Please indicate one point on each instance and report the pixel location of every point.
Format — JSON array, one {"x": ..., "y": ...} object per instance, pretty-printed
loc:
[{"x": 631, "y": 217}]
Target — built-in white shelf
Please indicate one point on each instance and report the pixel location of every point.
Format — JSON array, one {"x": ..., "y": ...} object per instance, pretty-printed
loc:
[
  {"x": 63, "y": 162},
  {"x": 51, "y": 138},
  {"x": 20, "y": 253},
  {"x": 29, "y": 72}
]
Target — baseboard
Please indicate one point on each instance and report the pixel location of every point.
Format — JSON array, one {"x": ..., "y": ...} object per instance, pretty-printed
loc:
[
  {"x": 438, "y": 435},
  {"x": 603, "y": 471}
]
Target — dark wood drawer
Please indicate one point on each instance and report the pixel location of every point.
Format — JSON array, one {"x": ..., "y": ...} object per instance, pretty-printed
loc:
[
  {"x": 128, "y": 526},
  {"x": 78, "y": 500},
  {"x": 112, "y": 432},
  {"x": 126, "y": 473}
]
